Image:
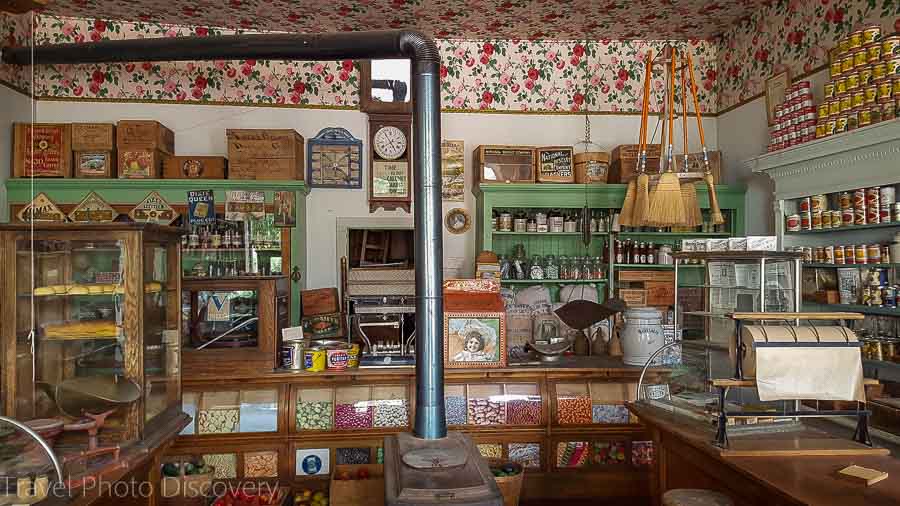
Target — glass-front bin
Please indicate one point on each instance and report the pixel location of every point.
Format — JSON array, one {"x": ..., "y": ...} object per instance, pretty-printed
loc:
[
  {"x": 228, "y": 249},
  {"x": 89, "y": 331}
]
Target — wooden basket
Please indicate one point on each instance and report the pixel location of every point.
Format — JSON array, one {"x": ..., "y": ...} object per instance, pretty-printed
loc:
[
  {"x": 510, "y": 486},
  {"x": 187, "y": 486},
  {"x": 368, "y": 492},
  {"x": 592, "y": 167}
]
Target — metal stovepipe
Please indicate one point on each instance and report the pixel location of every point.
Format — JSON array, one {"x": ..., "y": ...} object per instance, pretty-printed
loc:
[{"x": 430, "y": 420}]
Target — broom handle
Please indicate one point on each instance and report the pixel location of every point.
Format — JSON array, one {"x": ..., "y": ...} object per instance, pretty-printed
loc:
[
  {"x": 684, "y": 114},
  {"x": 670, "y": 158},
  {"x": 697, "y": 110},
  {"x": 642, "y": 149}
]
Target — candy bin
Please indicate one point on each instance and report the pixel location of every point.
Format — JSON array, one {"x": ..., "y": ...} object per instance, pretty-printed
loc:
[
  {"x": 353, "y": 408},
  {"x": 391, "y": 406},
  {"x": 314, "y": 409},
  {"x": 219, "y": 413},
  {"x": 455, "y": 404},
  {"x": 642, "y": 453},
  {"x": 523, "y": 404},
  {"x": 262, "y": 464},
  {"x": 607, "y": 453},
  {"x": 486, "y": 405},
  {"x": 607, "y": 402},
  {"x": 573, "y": 404},
  {"x": 570, "y": 454},
  {"x": 352, "y": 455},
  {"x": 526, "y": 454},
  {"x": 491, "y": 450}
]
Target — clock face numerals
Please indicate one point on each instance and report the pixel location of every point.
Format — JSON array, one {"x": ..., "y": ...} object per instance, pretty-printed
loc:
[{"x": 389, "y": 142}]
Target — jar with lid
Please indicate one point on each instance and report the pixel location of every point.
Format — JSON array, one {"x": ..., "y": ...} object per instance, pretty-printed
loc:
[
  {"x": 495, "y": 219},
  {"x": 506, "y": 221},
  {"x": 519, "y": 222},
  {"x": 569, "y": 223},
  {"x": 551, "y": 268},
  {"x": 555, "y": 220},
  {"x": 595, "y": 223},
  {"x": 598, "y": 268},
  {"x": 536, "y": 270},
  {"x": 504, "y": 267},
  {"x": 563, "y": 267},
  {"x": 531, "y": 223},
  {"x": 664, "y": 255},
  {"x": 587, "y": 268},
  {"x": 540, "y": 216},
  {"x": 575, "y": 268}
]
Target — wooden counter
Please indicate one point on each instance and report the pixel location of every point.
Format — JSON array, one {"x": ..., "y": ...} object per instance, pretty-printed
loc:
[{"x": 685, "y": 458}]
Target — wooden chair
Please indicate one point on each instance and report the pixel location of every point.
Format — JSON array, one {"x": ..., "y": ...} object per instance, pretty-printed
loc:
[{"x": 695, "y": 497}]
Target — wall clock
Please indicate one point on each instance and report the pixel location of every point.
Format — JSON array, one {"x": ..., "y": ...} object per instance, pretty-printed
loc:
[
  {"x": 334, "y": 160},
  {"x": 390, "y": 171}
]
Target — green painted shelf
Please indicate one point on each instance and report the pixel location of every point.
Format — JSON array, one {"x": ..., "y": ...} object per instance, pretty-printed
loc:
[
  {"x": 654, "y": 266},
  {"x": 547, "y": 234},
  {"x": 841, "y": 266},
  {"x": 893, "y": 224},
  {"x": 854, "y": 308},
  {"x": 675, "y": 234},
  {"x": 553, "y": 281}
]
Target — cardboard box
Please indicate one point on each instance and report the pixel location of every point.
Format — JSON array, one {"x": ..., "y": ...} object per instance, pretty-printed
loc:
[
  {"x": 368, "y": 492},
  {"x": 95, "y": 164},
  {"x": 319, "y": 301},
  {"x": 693, "y": 245},
  {"x": 42, "y": 150},
  {"x": 133, "y": 135},
  {"x": 93, "y": 137},
  {"x": 633, "y": 275},
  {"x": 716, "y": 244},
  {"x": 660, "y": 293},
  {"x": 140, "y": 164},
  {"x": 195, "y": 167},
  {"x": 265, "y": 154},
  {"x": 324, "y": 326},
  {"x": 737, "y": 244},
  {"x": 762, "y": 243}
]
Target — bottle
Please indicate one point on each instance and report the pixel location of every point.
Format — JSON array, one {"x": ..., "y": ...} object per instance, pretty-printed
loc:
[
  {"x": 551, "y": 269},
  {"x": 555, "y": 221},
  {"x": 519, "y": 222},
  {"x": 595, "y": 223},
  {"x": 531, "y": 223},
  {"x": 629, "y": 252},
  {"x": 215, "y": 241},
  {"x": 194, "y": 239},
  {"x": 569, "y": 224},
  {"x": 651, "y": 254},
  {"x": 619, "y": 252},
  {"x": 541, "y": 218},
  {"x": 642, "y": 253},
  {"x": 495, "y": 218},
  {"x": 536, "y": 271}
]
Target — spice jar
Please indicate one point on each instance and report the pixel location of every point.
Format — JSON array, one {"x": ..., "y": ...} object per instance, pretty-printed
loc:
[
  {"x": 519, "y": 222},
  {"x": 506, "y": 221},
  {"x": 556, "y": 221},
  {"x": 531, "y": 223}
]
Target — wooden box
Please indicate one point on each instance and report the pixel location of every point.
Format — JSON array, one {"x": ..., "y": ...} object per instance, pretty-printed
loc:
[
  {"x": 95, "y": 164},
  {"x": 633, "y": 297},
  {"x": 474, "y": 324},
  {"x": 625, "y": 160},
  {"x": 144, "y": 135},
  {"x": 319, "y": 301},
  {"x": 140, "y": 163},
  {"x": 93, "y": 137},
  {"x": 554, "y": 164},
  {"x": 42, "y": 150},
  {"x": 695, "y": 164},
  {"x": 353, "y": 492},
  {"x": 591, "y": 167},
  {"x": 660, "y": 293},
  {"x": 265, "y": 154},
  {"x": 504, "y": 164},
  {"x": 195, "y": 167},
  {"x": 648, "y": 275}
]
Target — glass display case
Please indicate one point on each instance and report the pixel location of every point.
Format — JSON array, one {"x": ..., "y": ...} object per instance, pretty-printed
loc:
[
  {"x": 89, "y": 331},
  {"x": 348, "y": 408},
  {"x": 492, "y": 404},
  {"x": 228, "y": 249}
]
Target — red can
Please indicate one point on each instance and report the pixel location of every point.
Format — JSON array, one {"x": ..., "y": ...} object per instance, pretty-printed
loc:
[
  {"x": 873, "y": 205},
  {"x": 829, "y": 254},
  {"x": 805, "y": 205},
  {"x": 846, "y": 201},
  {"x": 847, "y": 217},
  {"x": 874, "y": 254},
  {"x": 859, "y": 198},
  {"x": 850, "y": 254},
  {"x": 805, "y": 221}
]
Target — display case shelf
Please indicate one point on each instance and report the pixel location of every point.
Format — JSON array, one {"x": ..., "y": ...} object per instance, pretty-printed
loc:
[
  {"x": 553, "y": 281},
  {"x": 675, "y": 235},
  {"x": 654, "y": 266},
  {"x": 539, "y": 234}
]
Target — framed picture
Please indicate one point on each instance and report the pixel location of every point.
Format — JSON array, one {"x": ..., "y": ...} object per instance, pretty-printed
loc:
[
  {"x": 285, "y": 203},
  {"x": 453, "y": 171},
  {"x": 474, "y": 340},
  {"x": 776, "y": 90},
  {"x": 458, "y": 221}
]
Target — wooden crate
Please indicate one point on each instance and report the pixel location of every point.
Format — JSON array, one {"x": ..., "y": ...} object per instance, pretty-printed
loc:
[
  {"x": 355, "y": 492},
  {"x": 49, "y": 153},
  {"x": 504, "y": 164},
  {"x": 648, "y": 275},
  {"x": 265, "y": 154},
  {"x": 319, "y": 301},
  {"x": 633, "y": 297},
  {"x": 95, "y": 164},
  {"x": 554, "y": 164},
  {"x": 137, "y": 135},
  {"x": 660, "y": 293},
  {"x": 625, "y": 160},
  {"x": 195, "y": 167},
  {"x": 93, "y": 137},
  {"x": 140, "y": 163}
]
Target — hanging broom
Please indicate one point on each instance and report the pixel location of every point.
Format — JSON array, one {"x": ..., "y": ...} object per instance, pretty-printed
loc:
[
  {"x": 642, "y": 188},
  {"x": 715, "y": 214},
  {"x": 667, "y": 208},
  {"x": 692, "y": 215}
]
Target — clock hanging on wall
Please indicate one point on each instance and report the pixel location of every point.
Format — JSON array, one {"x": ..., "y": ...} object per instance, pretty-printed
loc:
[
  {"x": 390, "y": 155},
  {"x": 334, "y": 160}
]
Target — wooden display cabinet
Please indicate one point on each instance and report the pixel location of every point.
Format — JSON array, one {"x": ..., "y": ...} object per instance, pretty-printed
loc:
[
  {"x": 233, "y": 324},
  {"x": 89, "y": 325}
]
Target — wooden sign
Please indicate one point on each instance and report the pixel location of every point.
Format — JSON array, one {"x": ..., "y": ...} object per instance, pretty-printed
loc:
[
  {"x": 285, "y": 209},
  {"x": 41, "y": 209},
  {"x": 201, "y": 207},
  {"x": 240, "y": 203},
  {"x": 42, "y": 150},
  {"x": 555, "y": 165},
  {"x": 154, "y": 209},
  {"x": 93, "y": 209}
]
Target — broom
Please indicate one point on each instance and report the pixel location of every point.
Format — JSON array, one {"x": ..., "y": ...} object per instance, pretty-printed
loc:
[
  {"x": 667, "y": 207},
  {"x": 642, "y": 198},
  {"x": 715, "y": 214},
  {"x": 692, "y": 215}
]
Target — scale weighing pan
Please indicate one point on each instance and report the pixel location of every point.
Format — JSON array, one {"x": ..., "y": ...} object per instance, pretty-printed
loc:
[{"x": 93, "y": 394}]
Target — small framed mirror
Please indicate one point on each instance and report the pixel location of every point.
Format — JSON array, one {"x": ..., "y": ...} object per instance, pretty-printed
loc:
[{"x": 385, "y": 86}]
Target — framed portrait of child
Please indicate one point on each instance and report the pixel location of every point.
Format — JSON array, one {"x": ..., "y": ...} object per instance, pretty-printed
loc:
[{"x": 474, "y": 340}]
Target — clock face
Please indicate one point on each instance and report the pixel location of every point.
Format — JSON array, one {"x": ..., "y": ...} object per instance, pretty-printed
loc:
[{"x": 389, "y": 142}]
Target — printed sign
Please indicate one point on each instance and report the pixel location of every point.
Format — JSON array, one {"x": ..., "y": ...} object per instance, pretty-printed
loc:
[
  {"x": 453, "y": 170},
  {"x": 41, "y": 209},
  {"x": 556, "y": 162},
  {"x": 154, "y": 209},
  {"x": 93, "y": 209},
  {"x": 239, "y": 204},
  {"x": 218, "y": 307},
  {"x": 313, "y": 462},
  {"x": 93, "y": 164},
  {"x": 201, "y": 207},
  {"x": 390, "y": 180},
  {"x": 46, "y": 150}
]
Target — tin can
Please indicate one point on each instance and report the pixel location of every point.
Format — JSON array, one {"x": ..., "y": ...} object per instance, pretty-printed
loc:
[
  {"x": 871, "y": 33},
  {"x": 793, "y": 223},
  {"x": 852, "y": 81},
  {"x": 895, "y": 216},
  {"x": 839, "y": 255},
  {"x": 896, "y": 87},
  {"x": 807, "y": 253},
  {"x": 870, "y": 94},
  {"x": 816, "y": 220},
  {"x": 805, "y": 204},
  {"x": 865, "y": 76},
  {"x": 852, "y": 119},
  {"x": 861, "y": 254},
  {"x": 873, "y": 254},
  {"x": 818, "y": 203},
  {"x": 292, "y": 355},
  {"x": 353, "y": 356},
  {"x": 893, "y": 67},
  {"x": 829, "y": 92},
  {"x": 890, "y": 46},
  {"x": 840, "y": 125},
  {"x": 847, "y": 63},
  {"x": 844, "y": 45},
  {"x": 857, "y": 99},
  {"x": 888, "y": 111},
  {"x": 886, "y": 253},
  {"x": 865, "y": 117},
  {"x": 859, "y": 216},
  {"x": 860, "y": 58},
  {"x": 822, "y": 112},
  {"x": 836, "y": 219},
  {"x": 859, "y": 198},
  {"x": 846, "y": 102},
  {"x": 888, "y": 195},
  {"x": 850, "y": 254},
  {"x": 845, "y": 201},
  {"x": 835, "y": 68},
  {"x": 856, "y": 39},
  {"x": 826, "y": 219},
  {"x": 884, "y": 213},
  {"x": 875, "y": 111},
  {"x": 885, "y": 88},
  {"x": 314, "y": 359},
  {"x": 829, "y": 254},
  {"x": 806, "y": 220},
  {"x": 890, "y": 297},
  {"x": 834, "y": 107},
  {"x": 873, "y": 53},
  {"x": 879, "y": 71},
  {"x": 840, "y": 85},
  {"x": 847, "y": 218},
  {"x": 820, "y": 130},
  {"x": 337, "y": 357},
  {"x": 830, "y": 126},
  {"x": 873, "y": 197}
]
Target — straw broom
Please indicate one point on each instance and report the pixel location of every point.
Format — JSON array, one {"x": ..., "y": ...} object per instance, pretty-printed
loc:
[
  {"x": 641, "y": 211},
  {"x": 667, "y": 208},
  {"x": 627, "y": 213},
  {"x": 715, "y": 213},
  {"x": 692, "y": 215}
]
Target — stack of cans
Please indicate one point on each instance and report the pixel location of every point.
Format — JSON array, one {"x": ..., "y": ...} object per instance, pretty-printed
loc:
[
  {"x": 863, "y": 206},
  {"x": 795, "y": 118}
]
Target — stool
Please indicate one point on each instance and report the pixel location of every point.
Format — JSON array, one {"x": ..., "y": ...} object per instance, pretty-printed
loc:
[{"x": 695, "y": 497}]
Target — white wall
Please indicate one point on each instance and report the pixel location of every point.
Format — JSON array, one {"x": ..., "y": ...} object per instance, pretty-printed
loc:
[
  {"x": 743, "y": 133},
  {"x": 200, "y": 130},
  {"x": 14, "y": 107}
]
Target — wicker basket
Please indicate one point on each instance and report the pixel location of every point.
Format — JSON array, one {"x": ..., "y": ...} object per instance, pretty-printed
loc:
[
  {"x": 187, "y": 486},
  {"x": 510, "y": 486}
]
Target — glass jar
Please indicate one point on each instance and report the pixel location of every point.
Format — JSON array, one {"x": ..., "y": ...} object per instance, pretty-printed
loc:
[
  {"x": 569, "y": 223},
  {"x": 551, "y": 268},
  {"x": 495, "y": 219},
  {"x": 598, "y": 268},
  {"x": 531, "y": 223},
  {"x": 504, "y": 267},
  {"x": 563, "y": 267},
  {"x": 519, "y": 222},
  {"x": 541, "y": 218},
  {"x": 506, "y": 221},
  {"x": 575, "y": 268},
  {"x": 555, "y": 221},
  {"x": 536, "y": 271}
]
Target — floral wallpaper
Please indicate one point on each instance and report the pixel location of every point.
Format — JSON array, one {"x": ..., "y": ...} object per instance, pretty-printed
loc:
[
  {"x": 14, "y": 32},
  {"x": 496, "y": 75},
  {"x": 792, "y": 34},
  {"x": 465, "y": 19}
]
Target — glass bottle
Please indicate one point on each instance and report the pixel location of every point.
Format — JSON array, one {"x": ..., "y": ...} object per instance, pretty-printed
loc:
[
  {"x": 595, "y": 223},
  {"x": 555, "y": 220},
  {"x": 651, "y": 254},
  {"x": 563, "y": 267},
  {"x": 628, "y": 252},
  {"x": 587, "y": 268},
  {"x": 519, "y": 221},
  {"x": 531, "y": 223},
  {"x": 551, "y": 268},
  {"x": 598, "y": 268},
  {"x": 520, "y": 262},
  {"x": 619, "y": 252},
  {"x": 504, "y": 267},
  {"x": 536, "y": 271},
  {"x": 575, "y": 269},
  {"x": 495, "y": 219},
  {"x": 569, "y": 224},
  {"x": 642, "y": 253}
]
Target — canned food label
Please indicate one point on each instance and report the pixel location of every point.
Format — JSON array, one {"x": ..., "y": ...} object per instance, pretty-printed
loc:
[
  {"x": 830, "y": 126},
  {"x": 840, "y": 86},
  {"x": 865, "y": 117},
  {"x": 858, "y": 99},
  {"x": 893, "y": 67},
  {"x": 879, "y": 71},
  {"x": 847, "y": 64},
  {"x": 856, "y": 39},
  {"x": 844, "y": 45},
  {"x": 840, "y": 125},
  {"x": 865, "y": 76},
  {"x": 896, "y": 86},
  {"x": 834, "y": 107},
  {"x": 846, "y": 103},
  {"x": 835, "y": 69},
  {"x": 853, "y": 81},
  {"x": 890, "y": 46},
  {"x": 870, "y": 94},
  {"x": 859, "y": 58},
  {"x": 885, "y": 89},
  {"x": 337, "y": 359},
  {"x": 314, "y": 360},
  {"x": 871, "y": 34},
  {"x": 873, "y": 53}
]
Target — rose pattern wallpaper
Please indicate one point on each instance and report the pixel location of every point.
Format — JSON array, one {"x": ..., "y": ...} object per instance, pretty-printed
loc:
[
  {"x": 14, "y": 31},
  {"x": 794, "y": 35},
  {"x": 443, "y": 19}
]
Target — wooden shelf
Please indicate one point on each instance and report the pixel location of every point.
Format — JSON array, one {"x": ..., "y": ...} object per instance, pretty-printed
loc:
[
  {"x": 553, "y": 281},
  {"x": 893, "y": 224},
  {"x": 675, "y": 234}
]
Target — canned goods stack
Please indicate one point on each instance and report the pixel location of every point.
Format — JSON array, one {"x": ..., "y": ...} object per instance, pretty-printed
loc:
[
  {"x": 865, "y": 82},
  {"x": 847, "y": 254},
  {"x": 863, "y": 206},
  {"x": 795, "y": 118}
]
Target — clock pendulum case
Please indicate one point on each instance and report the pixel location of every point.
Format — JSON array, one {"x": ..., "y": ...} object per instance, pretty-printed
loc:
[{"x": 390, "y": 162}]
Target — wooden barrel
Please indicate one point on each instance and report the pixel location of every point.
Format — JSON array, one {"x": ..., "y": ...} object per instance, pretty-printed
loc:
[{"x": 591, "y": 167}]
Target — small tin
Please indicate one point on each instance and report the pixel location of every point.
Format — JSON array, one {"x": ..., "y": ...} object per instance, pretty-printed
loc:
[
  {"x": 834, "y": 107},
  {"x": 896, "y": 87},
  {"x": 859, "y": 198},
  {"x": 818, "y": 202},
  {"x": 850, "y": 254},
  {"x": 890, "y": 300},
  {"x": 840, "y": 126},
  {"x": 852, "y": 81},
  {"x": 861, "y": 254},
  {"x": 879, "y": 71},
  {"x": 826, "y": 219},
  {"x": 888, "y": 195},
  {"x": 885, "y": 88},
  {"x": 845, "y": 200},
  {"x": 830, "y": 126},
  {"x": 888, "y": 111},
  {"x": 835, "y": 68},
  {"x": 847, "y": 64},
  {"x": 859, "y": 216},
  {"x": 816, "y": 217},
  {"x": 314, "y": 359},
  {"x": 292, "y": 357},
  {"x": 871, "y": 34},
  {"x": 805, "y": 204},
  {"x": 793, "y": 223},
  {"x": 873, "y": 216},
  {"x": 819, "y": 255},
  {"x": 875, "y": 111},
  {"x": 870, "y": 94},
  {"x": 865, "y": 76},
  {"x": 338, "y": 357},
  {"x": 836, "y": 219},
  {"x": 865, "y": 117},
  {"x": 852, "y": 119},
  {"x": 856, "y": 39},
  {"x": 890, "y": 46},
  {"x": 893, "y": 67},
  {"x": 353, "y": 356},
  {"x": 857, "y": 99},
  {"x": 847, "y": 217},
  {"x": 829, "y": 90},
  {"x": 873, "y": 254},
  {"x": 873, "y": 53},
  {"x": 806, "y": 220},
  {"x": 839, "y": 255},
  {"x": 840, "y": 85},
  {"x": 829, "y": 254},
  {"x": 846, "y": 103},
  {"x": 859, "y": 58},
  {"x": 873, "y": 197},
  {"x": 820, "y": 130},
  {"x": 822, "y": 112},
  {"x": 884, "y": 213},
  {"x": 844, "y": 45},
  {"x": 895, "y": 216}
]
